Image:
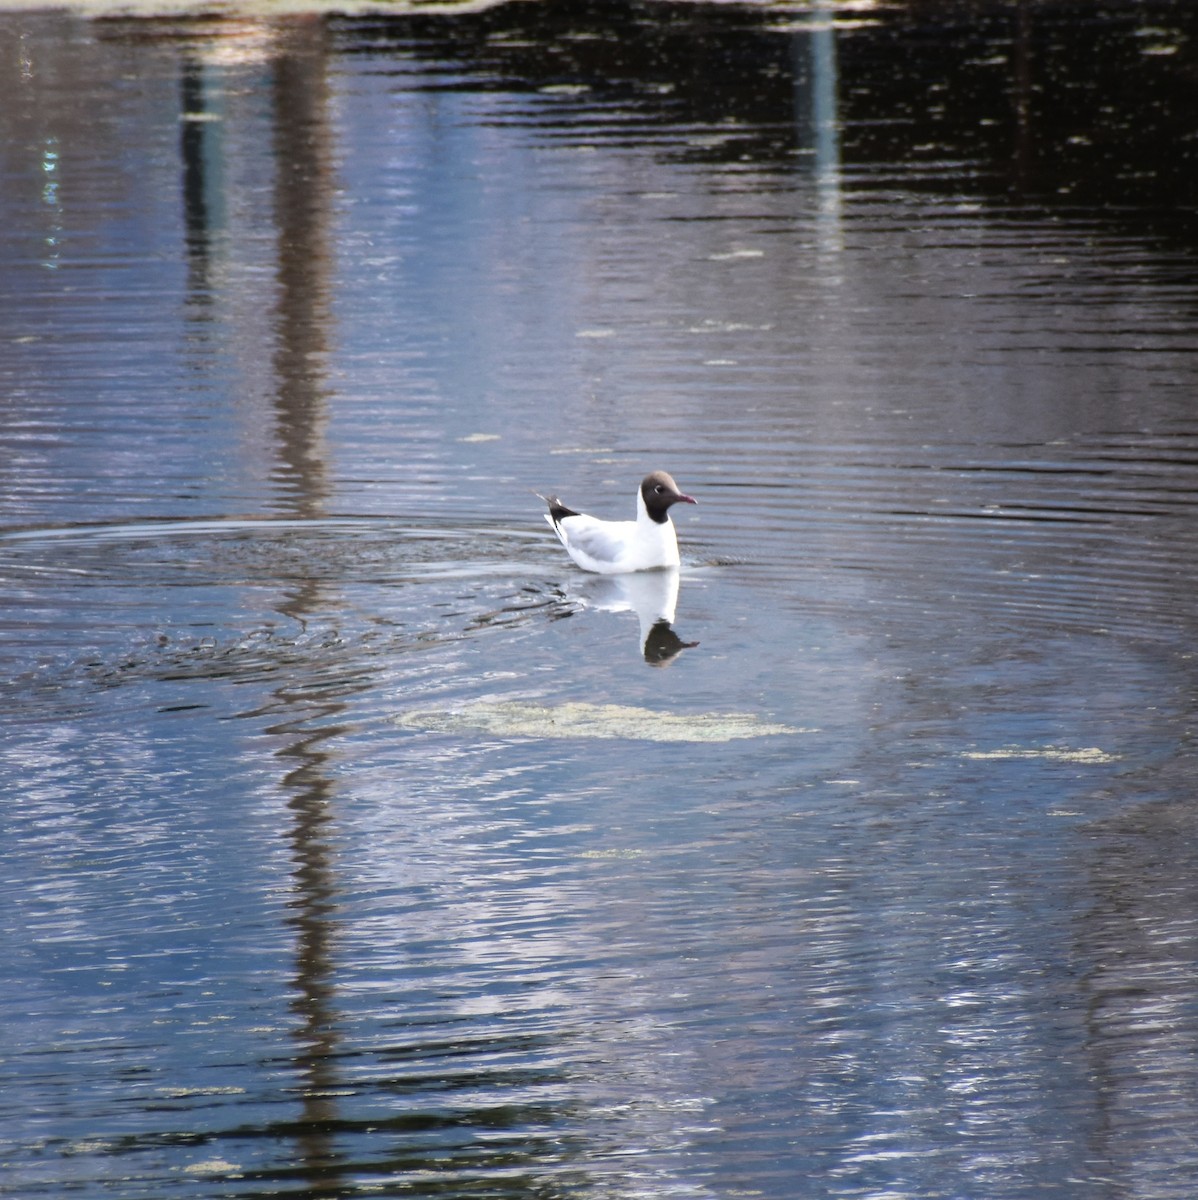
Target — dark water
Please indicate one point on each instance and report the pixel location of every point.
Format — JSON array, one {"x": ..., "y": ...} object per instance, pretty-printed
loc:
[{"x": 355, "y": 844}]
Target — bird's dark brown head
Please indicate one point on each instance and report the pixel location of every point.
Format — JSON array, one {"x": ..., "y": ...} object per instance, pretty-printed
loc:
[{"x": 659, "y": 491}]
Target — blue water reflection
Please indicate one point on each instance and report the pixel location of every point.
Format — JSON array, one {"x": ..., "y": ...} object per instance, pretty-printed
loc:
[{"x": 357, "y": 844}]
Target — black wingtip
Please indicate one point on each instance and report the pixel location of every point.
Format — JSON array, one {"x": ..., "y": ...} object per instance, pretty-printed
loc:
[{"x": 557, "y": 510}]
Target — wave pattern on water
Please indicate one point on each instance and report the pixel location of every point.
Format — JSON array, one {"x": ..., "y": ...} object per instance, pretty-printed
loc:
[
  {"x": 299, "y": 320},
  {"x": 311, "y": 605}
]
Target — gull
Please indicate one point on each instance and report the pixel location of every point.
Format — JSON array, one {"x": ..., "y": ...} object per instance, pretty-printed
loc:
[{"x": 617, "y": 547}]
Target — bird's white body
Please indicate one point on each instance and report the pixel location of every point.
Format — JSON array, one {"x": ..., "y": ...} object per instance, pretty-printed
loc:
[{"x": 618, "y": 547}]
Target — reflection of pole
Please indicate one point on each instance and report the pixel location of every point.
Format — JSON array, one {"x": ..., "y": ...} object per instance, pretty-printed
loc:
[
  {"x": 302, "y": 158},
  {"x": 1135, "y": 934},
  {"x": 819, "y": 75},
  {"x": 191, "y": 150},
  {"x": 315, "y": 898},
  {"x": 302, "y": 144},
  {"x": 303, "y": 192},
  {"x": 200, "y": 154},
  {"x": 825, "y": 118}
]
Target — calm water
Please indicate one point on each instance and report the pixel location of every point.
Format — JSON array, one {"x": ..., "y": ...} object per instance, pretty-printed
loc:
[{"x": 355, "y": 844}]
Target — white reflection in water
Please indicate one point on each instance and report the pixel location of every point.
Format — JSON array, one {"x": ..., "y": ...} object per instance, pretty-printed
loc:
[{"x": 653, "y": 596}]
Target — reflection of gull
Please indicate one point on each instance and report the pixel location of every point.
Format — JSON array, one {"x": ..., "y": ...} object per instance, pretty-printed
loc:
[{"x": 652, "y": 595}]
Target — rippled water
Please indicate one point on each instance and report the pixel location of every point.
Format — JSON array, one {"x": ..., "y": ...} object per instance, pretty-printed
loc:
[{"x": 355, "y": 843}]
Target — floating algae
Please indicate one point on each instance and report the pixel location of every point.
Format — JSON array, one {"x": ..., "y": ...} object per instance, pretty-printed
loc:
[
  {"x": 577, "y": 719},
  {"x": 1090, "y": 754}
]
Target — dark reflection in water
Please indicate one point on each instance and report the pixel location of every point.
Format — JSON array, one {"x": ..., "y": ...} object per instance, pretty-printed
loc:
[
  {"x": 314, "y": 908},
  {"x": 302, "y": 153},
  {"x": 1049, "y": 103},
  {"x": 349, "y": 845},
  {"x": 1140, "y": 937},
  {"x": 304, "y": 188}
]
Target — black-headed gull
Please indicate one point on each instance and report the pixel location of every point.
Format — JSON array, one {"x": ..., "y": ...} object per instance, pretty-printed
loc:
[{"x": 617, "y": 547}]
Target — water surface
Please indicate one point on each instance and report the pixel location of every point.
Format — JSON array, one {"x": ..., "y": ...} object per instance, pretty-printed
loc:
[{"x": 357, "y": 844}]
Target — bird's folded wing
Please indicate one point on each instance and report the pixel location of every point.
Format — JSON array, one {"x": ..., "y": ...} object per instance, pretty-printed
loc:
[{"x": 603, "y": 541}]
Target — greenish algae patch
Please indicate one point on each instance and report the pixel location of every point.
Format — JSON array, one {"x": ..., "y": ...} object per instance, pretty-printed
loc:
[
  {"x": 578, "y": 719},
  {"x": 1090, "y": 755}
]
